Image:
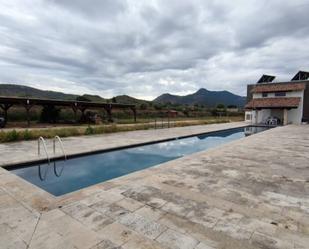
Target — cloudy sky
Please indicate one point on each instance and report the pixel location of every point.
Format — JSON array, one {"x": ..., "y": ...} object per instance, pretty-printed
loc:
[{"x": 147, "y": 47}]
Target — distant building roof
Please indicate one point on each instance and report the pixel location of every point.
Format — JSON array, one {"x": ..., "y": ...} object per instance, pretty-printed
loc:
[
  {"x": 266, "y": 78},
  {"x": 301, "y": 75},
  {"x": 278, "y": 87},
  {"x": 292, "y": 102}
]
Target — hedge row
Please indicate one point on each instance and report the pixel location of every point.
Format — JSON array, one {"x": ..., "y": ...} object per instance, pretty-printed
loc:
[{"x": 32, "y": 134}]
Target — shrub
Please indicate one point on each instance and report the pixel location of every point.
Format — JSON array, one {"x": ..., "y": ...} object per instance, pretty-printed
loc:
[
  {"x": 27, "y": 135},
  {"x": 89, "y": 131},
  {"x": 11, "y": 136}
]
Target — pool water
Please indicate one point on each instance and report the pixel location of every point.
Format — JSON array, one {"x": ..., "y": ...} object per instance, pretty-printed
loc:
[{"x": 61, "y": 177}]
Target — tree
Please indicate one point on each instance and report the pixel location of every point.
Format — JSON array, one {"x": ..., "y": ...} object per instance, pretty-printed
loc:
[
  {"x": 143, "y": 106},
  {"x": 186, "y": 112},
  {"x": 231, "y": 106},
  {"x": 158, "y": 107},
  {"x": 220, "y": 106},
  {"x": 83, "y": 98},
  {"x": 114, "y": 100},
  {"x": 49, "y": 114}
]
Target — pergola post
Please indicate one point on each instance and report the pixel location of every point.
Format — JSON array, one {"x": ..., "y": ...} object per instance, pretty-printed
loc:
[
  {"x": 28, "y": 106},
  {"x": 134, "y": 113},
  {"x": 82, "y": 109},
  {"x": 5, "y": 108},
  {"x": 108, "y": 110},
  {"x": 74, "y": 108}
]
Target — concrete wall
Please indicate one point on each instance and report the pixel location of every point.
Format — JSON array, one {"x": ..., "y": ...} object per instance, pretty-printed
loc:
[{"x": 263, "y": 115}]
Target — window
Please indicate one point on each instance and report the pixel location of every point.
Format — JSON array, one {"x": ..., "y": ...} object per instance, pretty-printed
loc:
[
  {"x": 248, "y": 117},
  {"x": 280, "y": 94},
  {"x": 264, "y": 95}
]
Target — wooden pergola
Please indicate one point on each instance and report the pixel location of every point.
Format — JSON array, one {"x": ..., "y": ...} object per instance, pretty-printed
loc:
[{"x": 7, "y": 102}]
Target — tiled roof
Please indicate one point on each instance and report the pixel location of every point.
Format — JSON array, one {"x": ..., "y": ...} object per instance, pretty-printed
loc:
[
  {"x": 273, "y": 103},
  {"x": 273, "y": 87}
]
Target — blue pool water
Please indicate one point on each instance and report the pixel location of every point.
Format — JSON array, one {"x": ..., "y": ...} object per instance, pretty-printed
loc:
[{"x": 61, "y": 177}]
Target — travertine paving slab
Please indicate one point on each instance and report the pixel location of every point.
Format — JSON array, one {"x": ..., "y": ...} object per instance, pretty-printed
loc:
[
  {"x": 113, "y": 210},
  {"x": 130, "y": 204},
  {"x": 17, "y": 222},
  {"x": 106, "y": 244},
  {"x": 88, "y": 216},
  {"x": 58, "y": 230},
  {"x": 176, "y": 240},
  {"x": 142, "y": 225},
  {"x": 9, "y": 239},
  {"x": 117, "y": 233}
]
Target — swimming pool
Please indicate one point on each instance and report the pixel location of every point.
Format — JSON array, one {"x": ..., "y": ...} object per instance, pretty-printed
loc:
[{"x": 61, "y": 177}]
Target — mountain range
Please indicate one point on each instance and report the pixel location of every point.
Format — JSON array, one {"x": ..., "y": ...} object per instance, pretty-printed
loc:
[
  {"x": 201, "y": 97},
  {"x": 13, "y": 90}
]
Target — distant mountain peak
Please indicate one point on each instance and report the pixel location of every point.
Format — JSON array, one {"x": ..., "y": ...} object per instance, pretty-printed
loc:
[
  {"x": 201, "y": 90},
  {"x": 203, "y": 97}
]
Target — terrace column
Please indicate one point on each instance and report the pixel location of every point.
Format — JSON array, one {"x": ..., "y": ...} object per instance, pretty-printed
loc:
[
  {"x": 256, "y": 116},
  {"x": 285, "y": 116}
]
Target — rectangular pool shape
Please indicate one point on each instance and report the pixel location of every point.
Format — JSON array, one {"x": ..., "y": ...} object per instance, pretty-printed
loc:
[{"x": 61, "y": 177}]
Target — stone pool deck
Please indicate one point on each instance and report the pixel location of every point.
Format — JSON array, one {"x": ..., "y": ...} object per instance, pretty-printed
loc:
[{"x": 251, "y": 193}]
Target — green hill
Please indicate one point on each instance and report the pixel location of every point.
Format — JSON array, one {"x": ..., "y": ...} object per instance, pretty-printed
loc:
[
  {"x": 203, "y": 97},
  {"x": 11, "y": 90}
]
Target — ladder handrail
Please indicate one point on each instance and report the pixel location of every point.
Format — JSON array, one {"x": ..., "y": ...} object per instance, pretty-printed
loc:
[
  {"x": 44, "y": 146},
  {"x": 40, "y": 173},
  {"x": 61, "y": 146},
  {"x": 55, "y": 170}
]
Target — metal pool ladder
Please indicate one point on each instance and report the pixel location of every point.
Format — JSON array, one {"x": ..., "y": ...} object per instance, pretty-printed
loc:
[
  {"x": 41, "y": 139},
  {"x": 57, "y": 138}
]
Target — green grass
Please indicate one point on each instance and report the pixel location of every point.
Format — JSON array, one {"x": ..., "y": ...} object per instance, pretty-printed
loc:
[{"x": 24, "y": 135}]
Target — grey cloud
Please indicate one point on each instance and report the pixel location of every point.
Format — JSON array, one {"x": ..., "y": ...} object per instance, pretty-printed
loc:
[
  {"x": 107, "y": 9},
  {"x": 145, "y": 48},
  {"x": 269, "y": 19}
]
